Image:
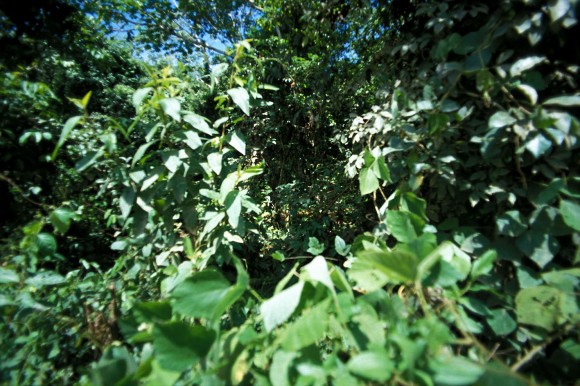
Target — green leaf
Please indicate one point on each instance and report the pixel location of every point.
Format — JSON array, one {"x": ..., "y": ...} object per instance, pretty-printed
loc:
[
  {"x": 437, "y": 123},
  {"x": 511, "y": 224},
  {"x": 558, "y": 9},
  {"x": 233, "y": 203},
  {"x": 89, "y": 160},
  {"x": 570, "y": 214},
  {"x": 171, "y": 107},
  {"x": 501, "y": 119},
  {"x": 86, "y": 99},
  {"x": 61, "y": 218},
  {"x": 565, "y": 100},
  {"x": 178, "y": 345},
  {"x": 280, "y": 368},
  {"x": 340, "y": 246},
  {"x": 215, "y": 162},
  {"x": 538, "y": 145},
  {"x": 501, "y": 322},
  {"x": 375, "y": 267},
  {"x": 538, "y": 246},
  {"x": 127, "y": 201},
  {"x": 8, "y": 276},
  {"x": 317, "y": 271},
  {"x": 368, "y": 181},
  {"x": 538, "y": 306},
  {"x": 281, "y": 306},
  {"x": 403, "y": 225},
  {"x": 171, "y": 161},
  {"x": 139, "y": 95},
  {"x": 380, "y": 169},
  {"x": 66, "y": 130},
  {"x": 141, "y": 152},
  {"x": 278, "y": 255},
  {"x": 192, "y": 139},
  {"x": 306, "y": 330},
  {"x": 43, "y": 279},
  {"x": 483, "y": 264},
  {"x": 238, "y": 142},
  {"x": 455, "y": 371},
  {"x": 525, "y": 64},
  {"x": 46, "y": 244},
  {"x": 529, "y": 92},
  {"x": 207, "y": 294},
  {"x": 241, "y": 98},
  {"x": 199, "y": 123},
  {"x": 315, "y": 247},
  {"x": 374, "y": 365},
  {"x": 149, "y": 312}
]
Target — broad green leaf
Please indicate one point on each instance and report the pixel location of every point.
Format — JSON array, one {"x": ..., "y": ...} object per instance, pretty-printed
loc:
[
  {"x": 202, "y": 295},
  {"x": 171, "y": 161},
  {"x": 315, "y": 247},
  {"x": 215, "y": 162},
  {"x": 368, "y": 181},
  {"x": 66, "y": 130},
  {"x": 415, "y": 205},
  {"x": 61, "y": 218},
  {"x": 89, "y": 160},
  {"x": 233, "y": 203},
  {"x": 199, "y": 123},
  {"x": 374, "y": 365},
  {"x": 46, "y": 244},
  {"x": 402, "y": 225},
  {"x": 538, "y": 306},
  {"x": 281, "y": 306},
  {"x": 570, "y": 214},
  {"x": 238, "y": 142},
  {"x": 501, "y": 322},
  {"x": 437, "y": 123},
  {"x": 308, "y": 329},
  {"x": 558, "y": 8},
  {"x": 538, "y": 246},
  {"x": 317, "y": 270},
  {"x": 220, "y": 122},
  {"x": 159, "y": 376},
  {"x": 139, "y": 95},
  {"x": 141, "y": 152},
  {"x": 213, "y": 222},
  {"x": 241, "y": 98},
  {"x": 511, "y": 224},
  {"x": 525, "y": 64},
  {"x": 8, "y": 276},
  {"x": 384, "y": 266},
  {"x": 280, "y": 368},
  {"x": 529, "y": 92},
  {"x": 126, "y": 201},
  {"x": 340, "y": 246},
  {"x": 565, "y": 100},
  {"x": 538, "y": 145},
  {"x": 43, "y": 279},
  {"x": 171, "y": 107},
  {"x": 192, "y": 139},
  {"x": 179, "y": 345},
  {"x": 455, "y": 371},
  {"x": 380, "y": 169},
  {"x": 501, "y": 119},
  {"x": 251, "y": 171},
  {"x": 148, "y": 312},
  {"x": 483, "y": 264}
]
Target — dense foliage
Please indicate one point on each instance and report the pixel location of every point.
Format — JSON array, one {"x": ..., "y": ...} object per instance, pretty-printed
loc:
[{"x": 281, "y": 192}]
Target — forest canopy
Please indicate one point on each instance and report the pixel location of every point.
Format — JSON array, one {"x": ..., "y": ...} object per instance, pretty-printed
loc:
[{"x": 282, "y": 192}]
